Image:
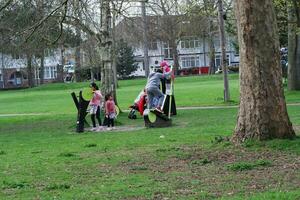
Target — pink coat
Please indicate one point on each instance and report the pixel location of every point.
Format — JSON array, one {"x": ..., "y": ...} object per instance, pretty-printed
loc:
[{"x": 96, "y": 100}]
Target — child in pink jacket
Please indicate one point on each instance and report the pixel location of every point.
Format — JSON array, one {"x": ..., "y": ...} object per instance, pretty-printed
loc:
[{"x": 95, "y": 105}]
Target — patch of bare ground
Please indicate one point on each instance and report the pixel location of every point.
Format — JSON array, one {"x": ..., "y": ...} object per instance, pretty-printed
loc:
[{"x": 191, "y": 170}]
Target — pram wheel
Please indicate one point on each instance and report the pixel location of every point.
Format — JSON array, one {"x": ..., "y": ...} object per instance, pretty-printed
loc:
[{"x": 132, "y": 114}]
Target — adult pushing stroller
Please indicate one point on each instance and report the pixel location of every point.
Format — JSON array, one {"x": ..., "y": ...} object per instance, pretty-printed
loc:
[{"x": 138, "y": 105}]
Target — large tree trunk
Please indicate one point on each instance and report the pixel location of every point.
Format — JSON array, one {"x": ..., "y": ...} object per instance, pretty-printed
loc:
[
  {"x": 262, "y": 112},
  {"x": 107, "y": 75},
  {"x": 294, "y": 46}
]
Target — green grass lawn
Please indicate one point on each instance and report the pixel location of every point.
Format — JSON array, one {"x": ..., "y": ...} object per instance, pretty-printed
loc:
[{"x": 41, "y": 157}]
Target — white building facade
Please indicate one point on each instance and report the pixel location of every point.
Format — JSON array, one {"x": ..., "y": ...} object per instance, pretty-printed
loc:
[{"x": 193, "y": 52}]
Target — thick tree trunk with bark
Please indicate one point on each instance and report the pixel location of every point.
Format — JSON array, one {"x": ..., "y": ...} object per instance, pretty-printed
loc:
[
  {"x": 107, "y": 74},
  {"x": 294, "y": 46},
  {"x": 262, "y": 113}
]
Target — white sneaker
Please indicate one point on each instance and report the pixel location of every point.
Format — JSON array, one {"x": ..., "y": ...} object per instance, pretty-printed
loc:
[
  {"x": 114, "y": 128},
  {"x": 100, "y": 128},
  {"x": 93, "y": 129},
  {"x": 109, "y": 129}
]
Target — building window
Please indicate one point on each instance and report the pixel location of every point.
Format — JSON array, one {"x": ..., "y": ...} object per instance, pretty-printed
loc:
[
  {"x": 153, "y": 45},
  {"x": 190, "y": 61},
  {"x": 50, "y": 72},
  {"x": 168, "y": 53},
  {"x": 218, "y": 60},
  {"x": 190, "y": 43}
]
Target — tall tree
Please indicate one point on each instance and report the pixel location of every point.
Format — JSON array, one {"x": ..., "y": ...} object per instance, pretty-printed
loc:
[
  {"x": 125, "y": 59},
  {"x": 223, "y": 50},
  {"x": 262, "y": 112},
  {"x": 294, "y": 45}
]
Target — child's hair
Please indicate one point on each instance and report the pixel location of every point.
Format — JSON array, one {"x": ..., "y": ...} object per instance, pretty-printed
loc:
[
  {"x": 159, "y": 71},
  {"x": 107, "y": 96},
  {"x": 94, "y": 85}
]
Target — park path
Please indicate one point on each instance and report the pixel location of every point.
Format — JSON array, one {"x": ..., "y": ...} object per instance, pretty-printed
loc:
[{"x": 178, "y": 108}]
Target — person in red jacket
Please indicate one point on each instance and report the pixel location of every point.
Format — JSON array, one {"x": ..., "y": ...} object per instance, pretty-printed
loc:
[{"x": 110, "y": 111}]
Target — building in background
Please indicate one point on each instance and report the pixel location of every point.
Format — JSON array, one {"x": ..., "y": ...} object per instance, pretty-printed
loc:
[{"x": 192, "y": 48}]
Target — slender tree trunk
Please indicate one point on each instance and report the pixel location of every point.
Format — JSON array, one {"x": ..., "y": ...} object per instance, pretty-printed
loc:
[
  {"x": 3, "y": 71},
  {"x": 294, "y": 46},
  {"x": 145, "y": 38},
  {"x": 60, "y": 70},
  {"x": 262, "y": 112},
  {"x": 78, "y": 69},
  {"x": 223, "y": 51},
  {"x": 114, "y": 47},
  {"x": 30, "y": 71},
  {"x": 42, "y": 67},
  {"x": 204, "y": 50},
  {"x": 173, "y": 46},
  {"x": 212, "y": 55}
]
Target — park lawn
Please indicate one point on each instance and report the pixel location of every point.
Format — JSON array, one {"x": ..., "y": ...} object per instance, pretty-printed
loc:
[
  {"x": 56, "y": 99},
  {"x": 43, "y": 158}
]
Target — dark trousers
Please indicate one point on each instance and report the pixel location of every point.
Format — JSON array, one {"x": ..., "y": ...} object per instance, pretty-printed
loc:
[
  {"x": 97, "y": 115},
  {"x": 111, "y": 122}
]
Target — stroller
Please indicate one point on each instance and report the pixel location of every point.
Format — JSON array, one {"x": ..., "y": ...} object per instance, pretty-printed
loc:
[{"x": 138, "y": 105}]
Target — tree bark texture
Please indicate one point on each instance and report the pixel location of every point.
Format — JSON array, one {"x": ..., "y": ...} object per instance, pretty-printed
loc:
[
  {"x": 173, "y": 45},
  {"x": 30, "y": 71},
  {"x": 262, "y": 112},
  {"x": 223, "y": 51},
  {"x": 294, "y": 46},
  {"x": 42, "y": 67},
  {"x": 107, "y": 74}
]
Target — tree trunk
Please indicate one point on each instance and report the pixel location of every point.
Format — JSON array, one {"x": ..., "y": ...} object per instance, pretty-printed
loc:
[
  {"x": 212, "y": 55},
  {"x": 262, "y": 112},
  {"x": 30, "y": 71},
  {"x": 42, "y": 67},
  {"x": 294, "y": 47},
  {"x": 107, "y": 75},
  {"x": 78, "y": 70},
  {"x": 173, "y": 46},
  {"x": 61, "y": 69},
  {"x": 145, "y": 38},
  {"x": 223, "y": 51}
]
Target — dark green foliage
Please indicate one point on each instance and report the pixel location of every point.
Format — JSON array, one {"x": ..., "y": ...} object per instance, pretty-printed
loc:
[
  {"x": 13, "y": 185},
  {"x": 2, "y": 152},
  {"x": 67, "y": 154},
  {"x": 125, "y": 59},
  {"x": 242, "y": 166},
  {"x": 58, "y": 187},
  {"x": 90, "y": 145},
  {"x": 203, "y": 161},
  {"x": 282, "y": 20}
]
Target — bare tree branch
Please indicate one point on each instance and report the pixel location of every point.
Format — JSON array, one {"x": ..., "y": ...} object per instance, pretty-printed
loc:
[
  {"x": 5, "y": 5},
  {"x": 38, "y": 24}
]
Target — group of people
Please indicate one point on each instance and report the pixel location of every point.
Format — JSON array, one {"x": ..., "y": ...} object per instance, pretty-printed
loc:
[
  {"x": 152, "y": 90},
  {"x": 109, "y": 107}
]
